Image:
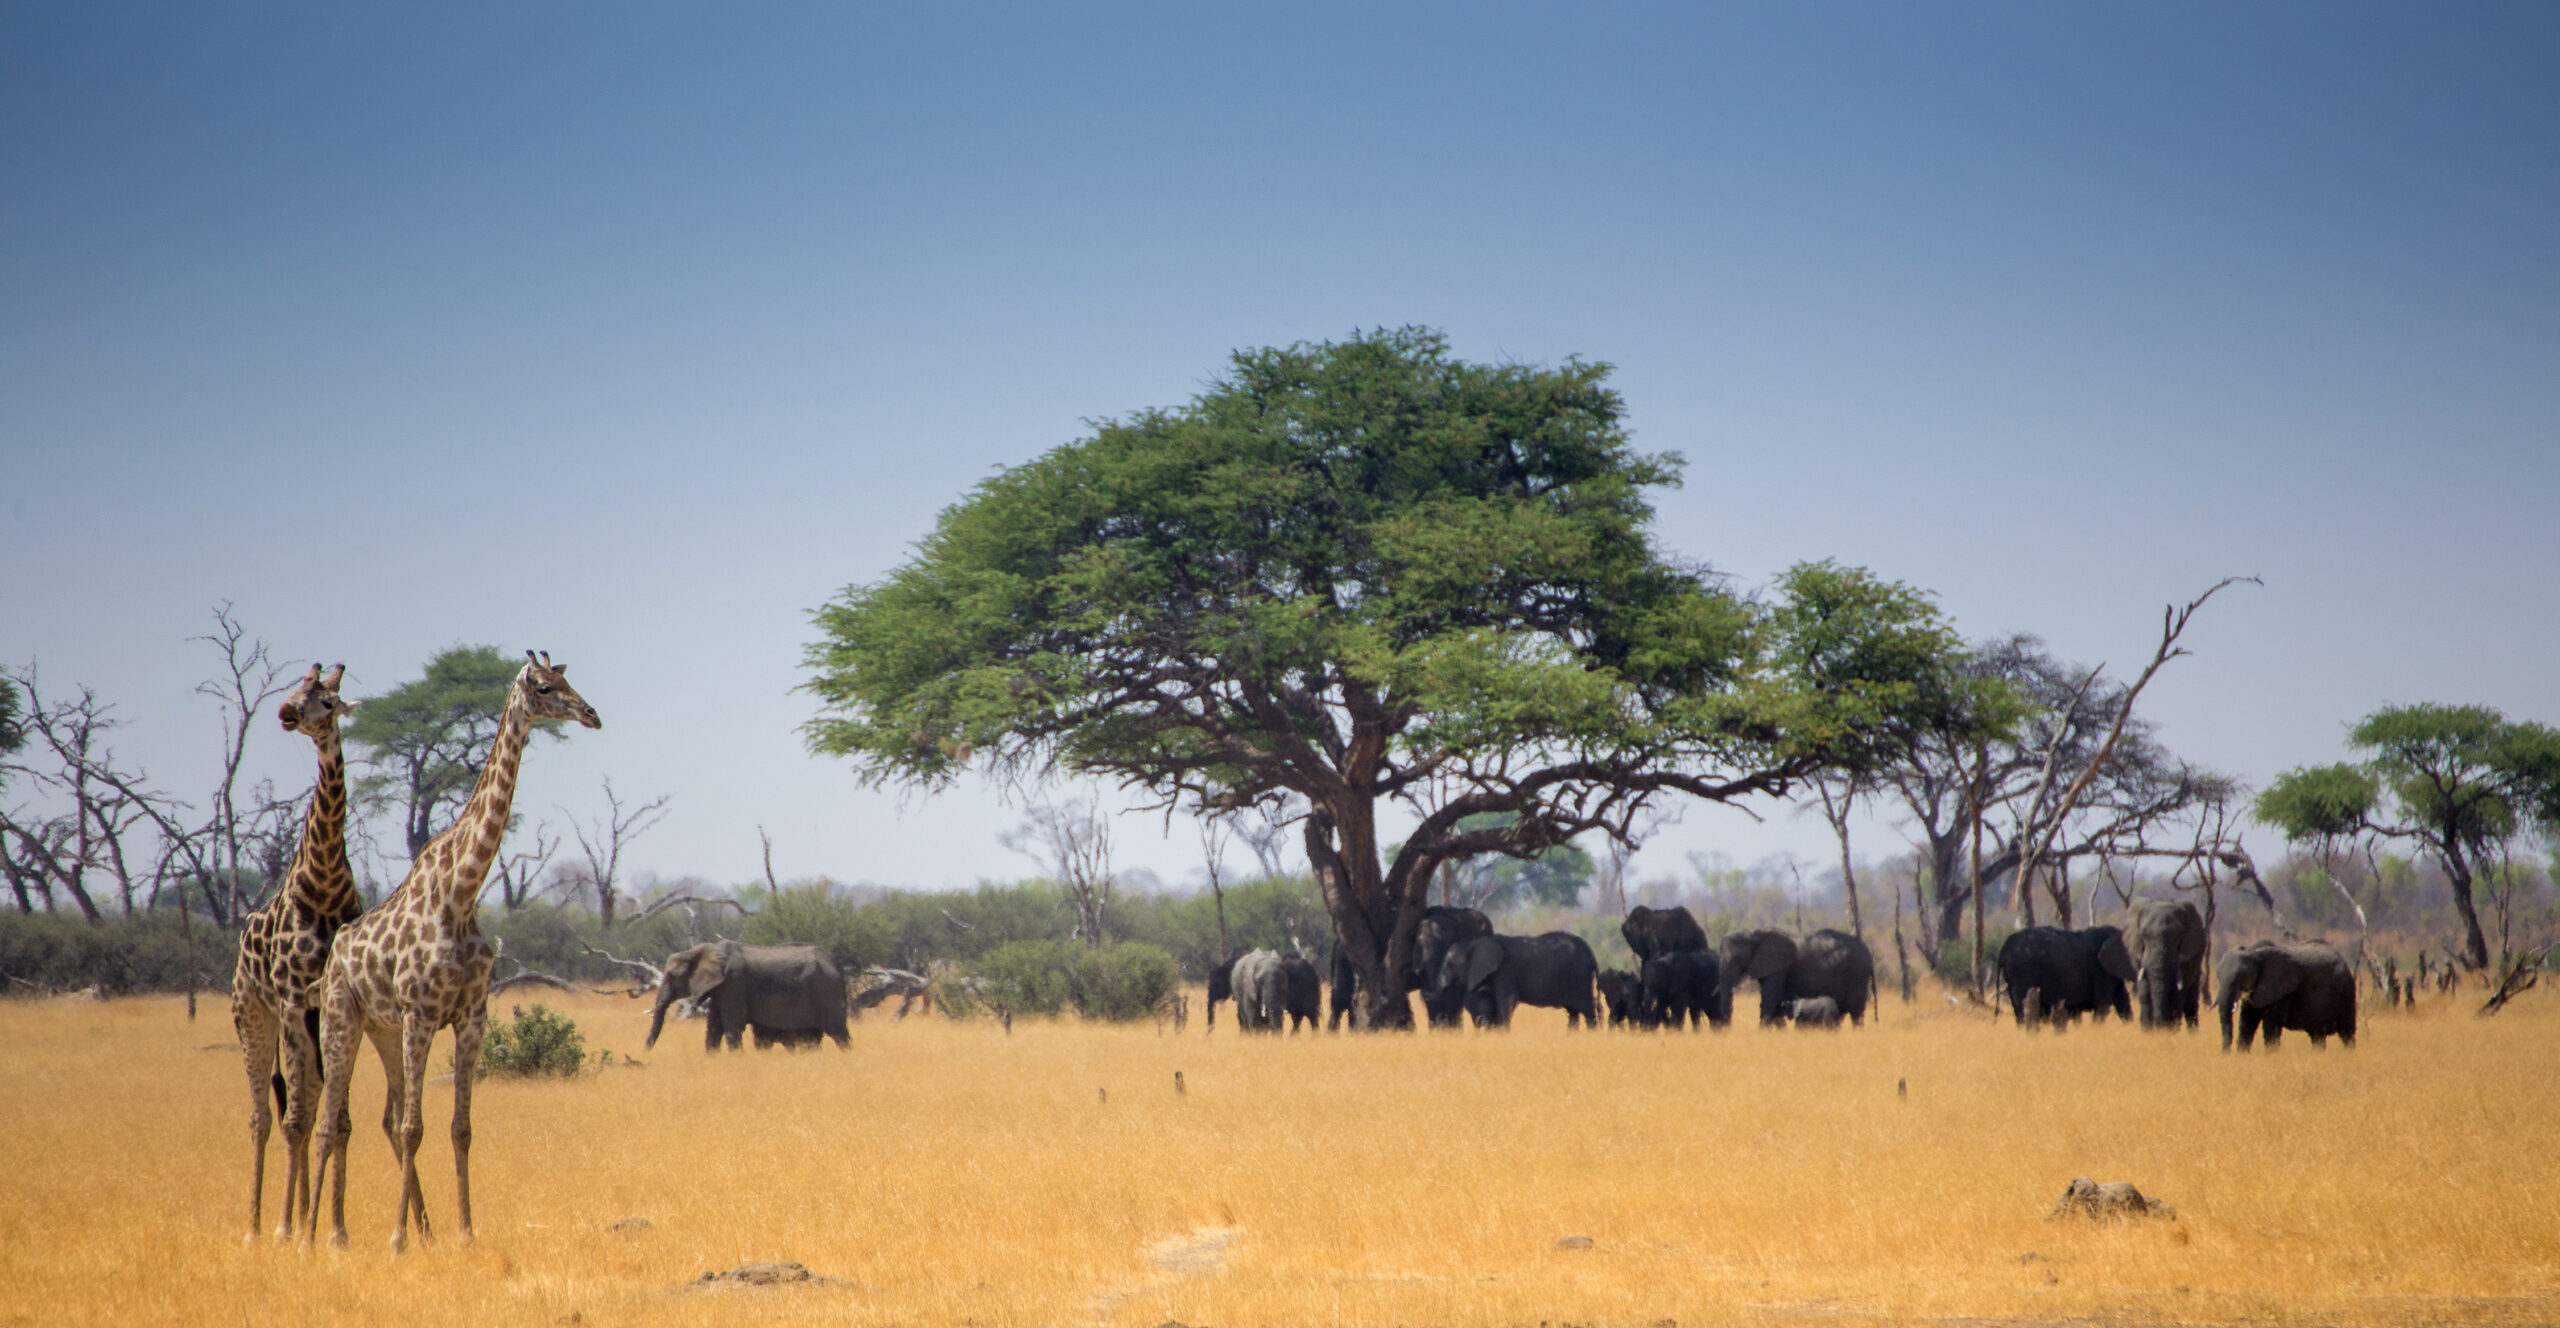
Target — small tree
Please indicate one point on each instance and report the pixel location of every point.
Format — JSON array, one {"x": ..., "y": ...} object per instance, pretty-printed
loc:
[
  {"x": 1073, "y": 840},
  {"x": 425, "y": 739},
  {"x": 2464, "y": 781},
  {"x": 602, "y": 844}
]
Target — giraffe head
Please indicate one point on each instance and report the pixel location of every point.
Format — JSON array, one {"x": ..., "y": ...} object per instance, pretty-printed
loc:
[
  {"x": 313, "y": 706},
  {"x": 545, "y": 689}
]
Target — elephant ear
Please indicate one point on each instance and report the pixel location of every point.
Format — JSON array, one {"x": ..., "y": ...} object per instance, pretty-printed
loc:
[
  {"x": 2118, "y": 961},
  {"x": 1773, "y": 955},
  {"x": 1482, "y": 958},
  {"x": 709, "y": 971},
  {"x": 2278, "y": 977}
]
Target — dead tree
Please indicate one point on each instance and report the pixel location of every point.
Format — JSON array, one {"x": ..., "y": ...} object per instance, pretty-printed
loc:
[
  {"x": 517, "y": 875},
  {"x": 1074, "y": 841},
  {"x": 100, "y": 805},
  {"x": 602, "y": 844},
  {"x": 2520, "y": 978},
  {"x": 250, "y": 678}
]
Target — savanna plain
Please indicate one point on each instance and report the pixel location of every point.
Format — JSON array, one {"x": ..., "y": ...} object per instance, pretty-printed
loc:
[{"x": 951, "y": 1173}]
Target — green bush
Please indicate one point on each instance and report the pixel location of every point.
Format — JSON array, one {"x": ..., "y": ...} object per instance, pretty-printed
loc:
[
  {"x": 1274, "y": 913},
  {"x": 1955, "y": 954},
  {"x": 123, "y": 955},
  {"x": 857, "y": 936},
  {"x": 1120, "y": 981},
  {"x": 538, "y": 1042}
]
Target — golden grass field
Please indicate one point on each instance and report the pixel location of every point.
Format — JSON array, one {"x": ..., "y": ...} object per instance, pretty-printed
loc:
[{"x": 952, "y": 1174}]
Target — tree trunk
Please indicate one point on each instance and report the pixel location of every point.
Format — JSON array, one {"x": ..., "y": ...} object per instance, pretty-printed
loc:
[
  {"x": 1974, "y": 878},
  {"x": 2457, "y": 870},
  {"x": 1375, "y": 927}
]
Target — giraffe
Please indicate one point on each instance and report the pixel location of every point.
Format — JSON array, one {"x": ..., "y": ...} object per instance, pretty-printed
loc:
[
  {"x": 417, "y": 964},
  {"x": 284, "y": 947}
]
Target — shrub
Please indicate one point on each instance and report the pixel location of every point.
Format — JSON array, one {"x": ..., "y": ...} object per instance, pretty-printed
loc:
[
  {"x": 1121, "y": 981},
  {"x": 854, "y": 935},
  {"x": 538, "y": 1042},
  {"x": 124, "y": 955}
]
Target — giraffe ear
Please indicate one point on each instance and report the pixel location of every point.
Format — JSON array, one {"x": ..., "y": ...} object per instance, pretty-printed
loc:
[{"x": 561, "y": 669}]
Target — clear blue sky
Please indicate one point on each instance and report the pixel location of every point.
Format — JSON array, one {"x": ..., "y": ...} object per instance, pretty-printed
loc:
[{"x": 634, "y": 332}]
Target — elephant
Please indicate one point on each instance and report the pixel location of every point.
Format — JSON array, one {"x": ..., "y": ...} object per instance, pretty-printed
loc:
[
  {"x": 1683, "y": 986},
  {"x": 1623, "y": 994},
  {"x": 1305, "y": 998},
  {"x": 1829, "y": 963},
  {"x": 1653, "y": 932},
  {"x": 1221, "y": 986},
  {"x": 1261, "y": 989},
  {"x": 787, "y": 991},
  {"x": 2169, "y": 945},
  {"x": 2278, "y": 985},
  {"x": 1493, "y": 975},
  {"x": 1814, "y": 1012},
  {"x": 2079, "y": 972},
  {"x": 1442, "y": 929}
]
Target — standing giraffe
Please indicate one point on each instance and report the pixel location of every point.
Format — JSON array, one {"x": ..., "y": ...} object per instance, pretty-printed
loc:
[
  {"x": 284, "y": 948},
  {"x": 417, "y": 963}
]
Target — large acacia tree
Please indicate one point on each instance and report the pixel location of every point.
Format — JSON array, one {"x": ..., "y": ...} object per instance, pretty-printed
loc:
[{"x": 1362, "y": 573}]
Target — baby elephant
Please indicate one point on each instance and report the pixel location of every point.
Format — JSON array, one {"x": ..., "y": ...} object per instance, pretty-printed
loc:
[{"x": 1815, "y": 1012}]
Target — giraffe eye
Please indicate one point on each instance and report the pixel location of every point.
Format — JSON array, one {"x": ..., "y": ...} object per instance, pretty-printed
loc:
[{"x": 544, "y": 689}]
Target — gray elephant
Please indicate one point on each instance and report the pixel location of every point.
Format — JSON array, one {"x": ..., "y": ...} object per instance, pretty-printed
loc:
[
  {"x": 1261, "y": 989},
  {"x": 1683, "y": 987},
  {"x": 787, "y": 992},
  {"x": 1305, "y": 999},
  {"x": 2277, "y": 985},
  {"x": 1623, "y": 994},
  {"x": 1654, "y": 932},
  {"x": 1441, "y": 930},
  {"x": 2078, "y": 972},
  {"x": 2168, "y": 948},
  {"x": 1814, "y": 1012},
  {"x": 1491, "y": 976},
  {"x": 1829, "y": 963}
]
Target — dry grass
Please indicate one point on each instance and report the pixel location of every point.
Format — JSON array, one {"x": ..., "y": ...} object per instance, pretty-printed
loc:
[{"x": 950, "y": 1174}]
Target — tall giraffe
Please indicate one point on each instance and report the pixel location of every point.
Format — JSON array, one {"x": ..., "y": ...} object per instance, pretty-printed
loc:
[
  {"x": 284, "y": 948},
  {"x": 417, "y": 963}
]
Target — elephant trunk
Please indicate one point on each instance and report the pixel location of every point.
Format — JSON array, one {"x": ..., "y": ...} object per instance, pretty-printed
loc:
[{"x": 658, "y": 1018}]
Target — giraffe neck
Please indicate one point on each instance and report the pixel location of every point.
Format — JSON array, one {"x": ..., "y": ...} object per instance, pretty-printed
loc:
[
  {"x": 321, "y": 882},
  {"x": 484, "y": 819}
]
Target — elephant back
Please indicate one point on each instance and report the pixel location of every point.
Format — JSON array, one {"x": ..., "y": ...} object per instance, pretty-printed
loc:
[{"x": 1654, "y": 932}]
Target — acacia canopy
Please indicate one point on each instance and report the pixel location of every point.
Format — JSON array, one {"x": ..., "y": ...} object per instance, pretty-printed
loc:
[{"x": 1362, "y": 572}]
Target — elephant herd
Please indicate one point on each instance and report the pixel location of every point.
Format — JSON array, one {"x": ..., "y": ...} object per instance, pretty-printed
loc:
[
  {"x": 2055, "y": 974},
  {"x": 794, "y": 995},
  {"x": 1464, "y": 971}
]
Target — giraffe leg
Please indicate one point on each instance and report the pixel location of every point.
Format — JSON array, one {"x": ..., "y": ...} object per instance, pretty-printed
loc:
[
  {"x": 254, "y": 1021},
  {"x": 466, "y": 1067},
  {"x": 340, "y": 1027},
  {"x": 301, "y": 1027},
  {"x": 417, "y": 1035}
]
